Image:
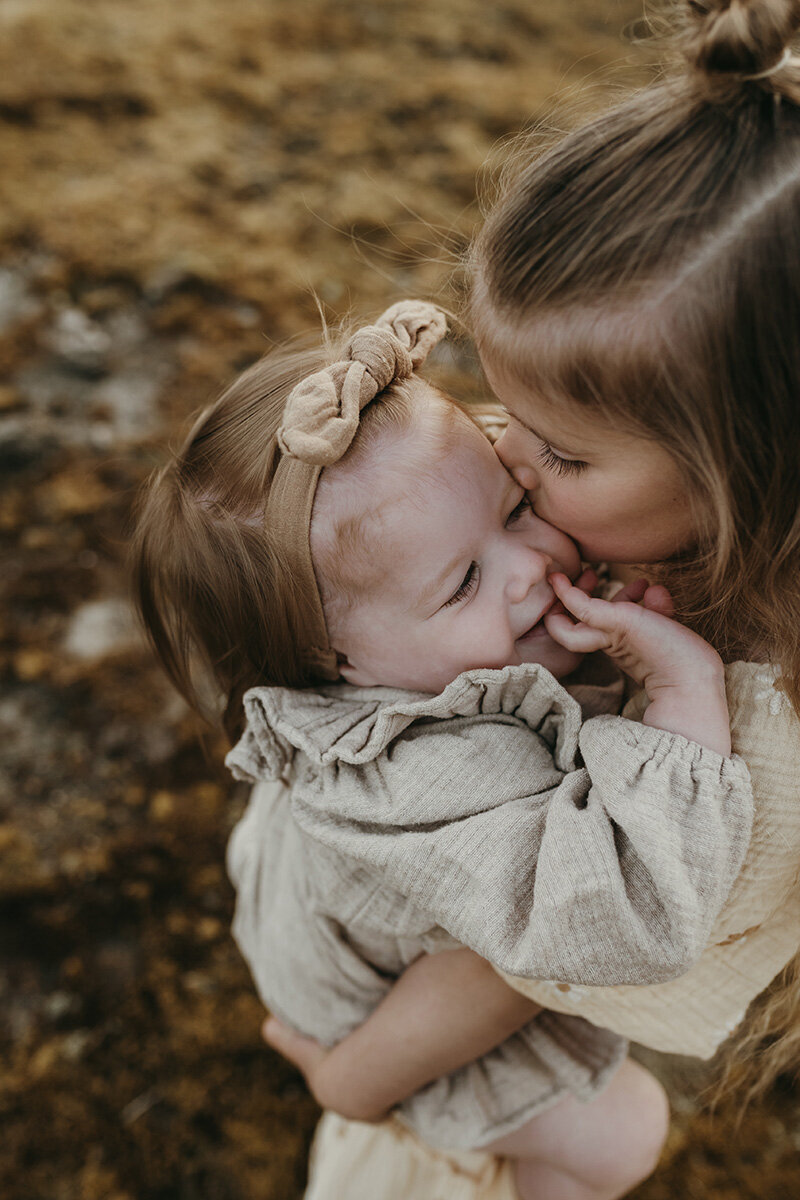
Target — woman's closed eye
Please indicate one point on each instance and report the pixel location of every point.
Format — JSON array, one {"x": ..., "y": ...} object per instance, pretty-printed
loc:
[
  {"x": 467, "y": 586},
  {"x": 551, "y": 461}
]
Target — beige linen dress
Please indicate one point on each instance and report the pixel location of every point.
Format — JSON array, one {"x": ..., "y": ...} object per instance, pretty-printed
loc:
[
  {"x": 756, "y": 934},
  {"x": 491, "y": 816}
]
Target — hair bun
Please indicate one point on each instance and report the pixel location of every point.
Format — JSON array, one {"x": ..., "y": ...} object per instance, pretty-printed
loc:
[{"x": 741, "y": 37}]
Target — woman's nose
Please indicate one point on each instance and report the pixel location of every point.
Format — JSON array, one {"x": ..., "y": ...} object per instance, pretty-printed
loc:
[
  {"x": 508, "y": 451},
  {"x": 529, "y": 568}
]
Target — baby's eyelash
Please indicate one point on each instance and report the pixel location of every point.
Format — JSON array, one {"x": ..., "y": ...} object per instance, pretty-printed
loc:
[
  {"x": 515, "y": 514},
  {"x": 554, "y": 462},
  {"x": 466, "y": 587}
]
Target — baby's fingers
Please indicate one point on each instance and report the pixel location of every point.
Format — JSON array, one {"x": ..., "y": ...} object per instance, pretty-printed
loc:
[
  {"x": 582, "y": 607},
  {"x": 589, "y": 634},
  {"x": 586, "y": 581},
  {"x": 580, "y": 639},
  {"x": 601, "y": 617}
]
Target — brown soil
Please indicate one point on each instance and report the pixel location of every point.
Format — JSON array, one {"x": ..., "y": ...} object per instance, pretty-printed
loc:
[{"x": 179, "y": 182}]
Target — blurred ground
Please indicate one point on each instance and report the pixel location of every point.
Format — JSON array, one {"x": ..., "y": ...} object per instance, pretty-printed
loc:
[{"x": 177, "y": 181}]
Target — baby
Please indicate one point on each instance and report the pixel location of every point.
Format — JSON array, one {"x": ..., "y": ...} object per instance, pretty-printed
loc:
[{"x": 431, "y": 784}]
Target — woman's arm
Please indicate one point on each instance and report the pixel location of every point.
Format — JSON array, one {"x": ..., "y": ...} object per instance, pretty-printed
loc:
[{"x": 445, "y": 1011}]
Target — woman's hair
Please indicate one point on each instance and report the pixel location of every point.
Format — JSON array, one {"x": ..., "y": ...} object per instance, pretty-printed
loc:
[
  {"x": 648, "y": 267},
  {"x": 217, "y": 597}
]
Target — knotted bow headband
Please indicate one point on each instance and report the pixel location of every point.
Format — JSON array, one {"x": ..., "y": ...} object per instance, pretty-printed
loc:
[{"x": 319, "y": 422}]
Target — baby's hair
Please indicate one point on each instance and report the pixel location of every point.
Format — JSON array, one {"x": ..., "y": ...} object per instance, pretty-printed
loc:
[
  {"x": 216, "y": 595},
  {"x": 648, "y": 267}
]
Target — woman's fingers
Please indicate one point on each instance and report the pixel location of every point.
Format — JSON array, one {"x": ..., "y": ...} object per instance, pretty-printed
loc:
[
  {"x": 304, "y": 1052},
  {"x": 587, "y": 581},
  {"x": 633, "y": 591},
  {"x": 652, "y": 596}
]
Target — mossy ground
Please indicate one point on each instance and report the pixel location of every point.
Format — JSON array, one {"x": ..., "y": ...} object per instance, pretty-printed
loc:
[{"x": 180, "y": 184}]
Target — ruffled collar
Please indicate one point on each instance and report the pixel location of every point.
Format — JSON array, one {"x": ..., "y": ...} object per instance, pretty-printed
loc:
[{"x": 345, "y": 724}]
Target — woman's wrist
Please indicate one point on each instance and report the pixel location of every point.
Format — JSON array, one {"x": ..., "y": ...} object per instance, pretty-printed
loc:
[{"x": 334, "y": 1087}]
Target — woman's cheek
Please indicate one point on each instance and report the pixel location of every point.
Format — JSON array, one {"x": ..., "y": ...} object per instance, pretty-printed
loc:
[{"x": 561, "y": 502}]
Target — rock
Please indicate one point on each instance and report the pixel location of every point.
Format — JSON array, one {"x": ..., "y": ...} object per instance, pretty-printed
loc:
[
  {"x": 60, "y": 1004},
  {"x": 73, "y": 493},
  {"x": 79, "y": 341},
  {"x": 31, "y": 663},
  {"x": 99, "y": 381},
  {"x": 9, "y": 398},
  {"x": 128, "y": 399},
  {"x": 16, "y": 301},
  {"x": 22, "y": 446},
  {"x": 100, "y": 628}
]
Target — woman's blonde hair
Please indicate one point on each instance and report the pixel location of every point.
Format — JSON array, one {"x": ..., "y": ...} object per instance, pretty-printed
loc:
[
  {"x": 217, "y": 597},
  {"x": 648, "y": 267}
]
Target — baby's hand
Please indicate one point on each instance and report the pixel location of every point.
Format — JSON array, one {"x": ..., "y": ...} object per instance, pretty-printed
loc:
[
  {"x": 682, "y": 674},
  {"x": 655, "y": 598}
]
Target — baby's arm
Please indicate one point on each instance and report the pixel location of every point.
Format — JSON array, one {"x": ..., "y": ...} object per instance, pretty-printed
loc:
[
  {"x": 682, "y": 675},
  {"x": 450, "y": 1009},
  {"x": 423, "y": 1029},
  {"x": 593, "y": 855}
]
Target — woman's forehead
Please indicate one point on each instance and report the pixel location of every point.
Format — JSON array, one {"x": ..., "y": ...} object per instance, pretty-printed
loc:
[{"x": 567, "y": 425}]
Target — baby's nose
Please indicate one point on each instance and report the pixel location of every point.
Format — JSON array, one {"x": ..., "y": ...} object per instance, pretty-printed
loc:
[{"x": 532, "y": 567}]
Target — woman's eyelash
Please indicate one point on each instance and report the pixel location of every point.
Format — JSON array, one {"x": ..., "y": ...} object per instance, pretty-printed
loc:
[
  {"x": 466, "y": 587},
  {"x": 562, "y": 466}
]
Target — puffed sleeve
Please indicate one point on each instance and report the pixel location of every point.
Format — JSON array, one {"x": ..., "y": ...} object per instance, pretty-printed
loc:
[{"x": 611, "y": 872}]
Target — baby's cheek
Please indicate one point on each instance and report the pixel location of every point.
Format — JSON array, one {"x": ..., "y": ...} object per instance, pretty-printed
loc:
[{"x": 499, "y": 652}]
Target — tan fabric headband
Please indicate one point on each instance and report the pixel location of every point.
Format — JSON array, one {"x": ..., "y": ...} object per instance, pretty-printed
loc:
[{"x": 319, "y": 422}]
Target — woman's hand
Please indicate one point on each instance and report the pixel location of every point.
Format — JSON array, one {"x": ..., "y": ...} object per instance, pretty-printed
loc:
[
  {"x": 309, "y": 1056},
  {"x": 445, "y": 1011}
]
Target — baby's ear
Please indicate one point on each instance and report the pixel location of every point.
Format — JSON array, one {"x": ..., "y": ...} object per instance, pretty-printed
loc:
[{"x": 358, "y": 676}]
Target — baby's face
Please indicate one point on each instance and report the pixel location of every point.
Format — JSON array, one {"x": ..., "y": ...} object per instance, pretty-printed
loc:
[{"x": 458, "y": 564}]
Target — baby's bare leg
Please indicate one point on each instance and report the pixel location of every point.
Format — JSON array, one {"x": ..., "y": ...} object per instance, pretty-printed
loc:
[{"x": 595, "y": 1151}]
